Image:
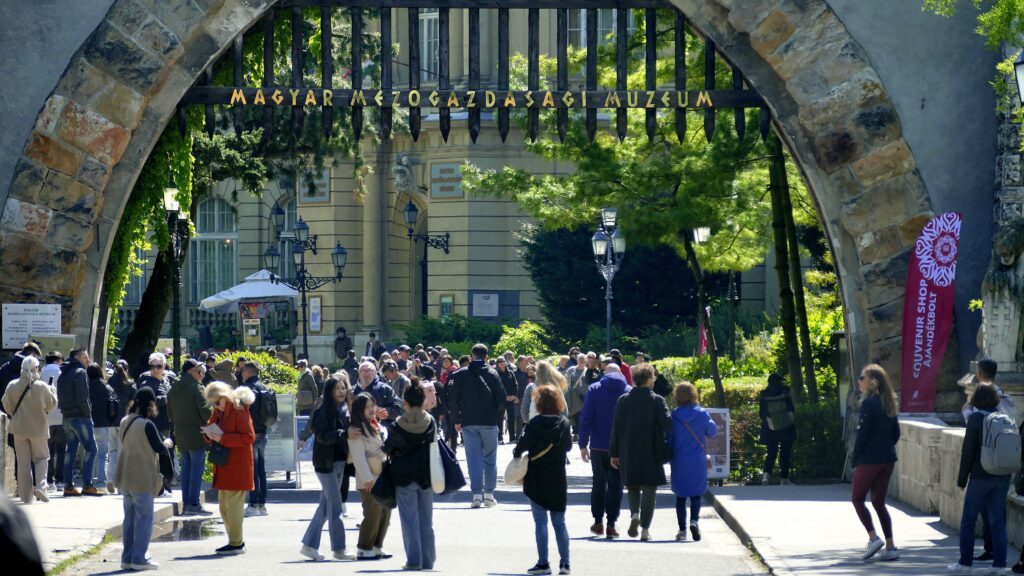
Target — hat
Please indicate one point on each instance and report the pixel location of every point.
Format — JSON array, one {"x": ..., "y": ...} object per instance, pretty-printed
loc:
[
  {"x": 615, "y": 352},
  {"x": 607, "y": 359},
  {"x": 190, "y": 364},
  {"x": 404, "y": 348}
]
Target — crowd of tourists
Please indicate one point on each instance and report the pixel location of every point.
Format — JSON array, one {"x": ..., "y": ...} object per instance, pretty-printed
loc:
[{"x": 394, "y": 420}]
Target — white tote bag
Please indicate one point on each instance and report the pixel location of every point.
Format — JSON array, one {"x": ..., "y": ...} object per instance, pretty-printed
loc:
[
  {"x": 515, "y": 472},
  {"x": 436, "y": 469}
]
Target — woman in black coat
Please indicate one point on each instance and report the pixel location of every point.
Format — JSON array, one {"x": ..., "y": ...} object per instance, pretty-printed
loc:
[
  {"x": 639, "y": 449},
  {"x": 546, "y": 438},
  {"x": 780, "y": 439}
]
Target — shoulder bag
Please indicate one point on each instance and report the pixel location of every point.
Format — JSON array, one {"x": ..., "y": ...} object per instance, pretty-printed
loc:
[
  {"x": 383, "y": 490},
  {"x": 700, "y": 443},
  {"x": 515, "y": 472},
  {"x": 454, "y": 479},
  {"x": 219, "y": 453}
]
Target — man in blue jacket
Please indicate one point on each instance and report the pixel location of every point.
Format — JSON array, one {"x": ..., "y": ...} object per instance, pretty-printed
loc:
[
  {"x": 74, "y": 404},
  {"x": 477, "y": 403},
  {"x": 595, "y": 435}
]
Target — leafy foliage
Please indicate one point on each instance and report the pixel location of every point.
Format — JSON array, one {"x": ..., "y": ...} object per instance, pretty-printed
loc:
[
  {"x": 527, "y": 339},
  {"x": 276, "y": 375},
  {"x": 456, "y": 328}
]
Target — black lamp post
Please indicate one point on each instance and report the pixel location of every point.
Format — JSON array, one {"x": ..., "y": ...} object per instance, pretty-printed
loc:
[
  {"x": 734, "y": 300},
  {"x": 439, "y": 241},
  {"x": 609, "y": 247},
  {"x": 303, "y": 281},
  {"x": 177, "y": 226}
]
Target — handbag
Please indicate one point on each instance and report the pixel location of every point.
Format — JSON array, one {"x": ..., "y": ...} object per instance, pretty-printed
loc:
[
  {"x": 454, "y": 480},
  {"x": 436, "y": 468},
  {"x": 219, "y": 454},
  {"x": 515, "y": 472},
  {"x": 702, "y": 444},
  {"x": 383, "y": 490}
]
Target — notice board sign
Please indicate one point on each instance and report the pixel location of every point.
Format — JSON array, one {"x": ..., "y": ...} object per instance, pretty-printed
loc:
[
  {"x": 281, "y": 444},
  {"x": 446, "y": 180},
  {"x": 485, "y": 305},
  {"x": 22, "y": 320},
  {"x": 718, "y": 447}
]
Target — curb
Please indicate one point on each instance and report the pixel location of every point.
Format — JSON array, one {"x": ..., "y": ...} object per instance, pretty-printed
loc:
[
  {"x": 161, "y": 513},
  {"x": 760, "y": 547}
]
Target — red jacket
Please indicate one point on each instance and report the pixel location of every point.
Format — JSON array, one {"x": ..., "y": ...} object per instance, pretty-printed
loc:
[
  {"x": 627, "y": 373},
  {"x": 239, "y": 437}
]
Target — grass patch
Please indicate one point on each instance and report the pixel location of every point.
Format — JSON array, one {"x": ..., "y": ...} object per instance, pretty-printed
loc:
[{"x": 72, "y": 560}]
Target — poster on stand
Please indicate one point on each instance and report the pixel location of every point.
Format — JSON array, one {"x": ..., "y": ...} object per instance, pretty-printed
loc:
[
  {"x": 281, "y": 445},
  {"x": 718, "y": 446}
]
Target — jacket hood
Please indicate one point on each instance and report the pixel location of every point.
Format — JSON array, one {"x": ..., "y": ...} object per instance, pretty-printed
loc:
[
  {"x": 548, "y": 427},
  {"x": 245, "y": 395},
  {"x": 775, "y": 389},
  {"x": 415, "y": 421},
  {"x": 687, "y": 414},
  {"x": 614, "y": 381},
  {"x": 478, "y": 366}
]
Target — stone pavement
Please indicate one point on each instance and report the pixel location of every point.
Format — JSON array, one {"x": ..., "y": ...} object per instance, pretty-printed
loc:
[{"x": 814, "y": 530}]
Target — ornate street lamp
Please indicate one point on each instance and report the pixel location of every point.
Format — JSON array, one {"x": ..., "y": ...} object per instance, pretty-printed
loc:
[
  {"x": 411, "y": 214},
  {"x": 277, "y": 217},
  {"x": 609, "y": 247},
  {"x": 177, "y": 226}
]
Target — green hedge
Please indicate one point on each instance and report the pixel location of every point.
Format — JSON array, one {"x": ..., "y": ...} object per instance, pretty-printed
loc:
[{"x": 277, "y": 375}]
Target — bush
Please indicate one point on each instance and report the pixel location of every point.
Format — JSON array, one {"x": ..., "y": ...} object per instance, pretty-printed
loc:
[
  {"x": 455, "y": 328},
  {"x": 276, "y": 375},
  {"x": 528, "y": 339},
  {"x": 456, "y": 349}
]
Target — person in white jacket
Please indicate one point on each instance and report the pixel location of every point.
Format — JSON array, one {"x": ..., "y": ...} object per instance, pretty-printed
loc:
[
  {"x": 365, "y": 440},
  {"x": 27, "y": 400}
]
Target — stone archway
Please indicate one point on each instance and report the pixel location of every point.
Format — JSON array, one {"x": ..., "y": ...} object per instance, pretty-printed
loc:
[{"x": 98, "y": 127}]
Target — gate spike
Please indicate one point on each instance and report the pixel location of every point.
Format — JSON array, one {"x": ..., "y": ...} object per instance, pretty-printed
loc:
[{"x": 709, "y": 84}]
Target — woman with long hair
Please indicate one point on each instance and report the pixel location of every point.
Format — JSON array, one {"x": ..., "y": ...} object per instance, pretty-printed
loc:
[
  {"x": 27, "y": 400},
  {"x": 330, "y": 453},
  {"x": 874, "y": 456},
  {"x": 546, "y": 375},
  {"x": 124, "y": 387},
  {"x": 365, "y": 446},
  {"x": 547, "y": 438},
  {"x": 142, "y": 469},
  {"x": 234, "y": 479},
  {"x": 104, "y": 423}
]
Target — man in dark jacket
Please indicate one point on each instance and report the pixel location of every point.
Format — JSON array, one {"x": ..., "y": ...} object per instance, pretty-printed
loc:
[
  {"x": 508, "y": 382},
  {"x": 342, "y": 344},
  {"x": 780, "y": 439},
  {"x": 258, "y": 497},
  {"x": 389, "y": 406},
  {"x": 478, "y": 397},
  {"x": 73, "y": 401},
  {"x": 595, "y": 435},
  {"x": 188, "y": 410},
  {"x": 11, "y": 370}
]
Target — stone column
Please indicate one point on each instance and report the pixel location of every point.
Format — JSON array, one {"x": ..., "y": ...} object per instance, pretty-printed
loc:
[{"x": 373, "y": 253}]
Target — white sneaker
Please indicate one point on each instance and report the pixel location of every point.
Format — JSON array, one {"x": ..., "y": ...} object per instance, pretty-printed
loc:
[
  {"x": 380, "y": 552},
  {"x": 263, "y": 511},
  {"x": 874, "y": 545},
  {"x": 645, "y": 535},
  {"x": 478, "y": 501},
  {"x": 489, "y": 500},
  {"x": 958, "y": 568},
  {"x": 889, "y": 554},
  {"x": 681, "y": 536},
  {"x": 149, "y": 565},
  {"x": 343, "y": 555},
  {"x": 344, "y": 510},
  {"x": 366, "y": 554},
  {"x": 251, "y": 511},
  {"x": 311, "y": 553},
  {"x": 41, "y": 495}
]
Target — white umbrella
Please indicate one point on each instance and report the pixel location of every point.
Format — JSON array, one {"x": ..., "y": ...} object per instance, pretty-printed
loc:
[{"x": 255, "y": 286}]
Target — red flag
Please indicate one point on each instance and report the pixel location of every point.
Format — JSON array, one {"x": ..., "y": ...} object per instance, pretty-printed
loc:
[
  {"x": 703, "y": 346},
  {"x": 928, "y": 311}
]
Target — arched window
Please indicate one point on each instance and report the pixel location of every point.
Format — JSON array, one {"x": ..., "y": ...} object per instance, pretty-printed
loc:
[
  {"x": 213, "y": 253},
  {"x": 286, "y": 268}
]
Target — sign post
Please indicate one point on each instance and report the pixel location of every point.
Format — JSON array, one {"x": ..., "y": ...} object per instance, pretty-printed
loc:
[
  {"x": 281, "y": 436},
  {"x": 718, "y": 446},
  {"x": 22, "y": 320}
]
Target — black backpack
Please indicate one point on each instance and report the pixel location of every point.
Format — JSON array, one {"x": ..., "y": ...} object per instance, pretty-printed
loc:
[{"x": 266, "y": 406}]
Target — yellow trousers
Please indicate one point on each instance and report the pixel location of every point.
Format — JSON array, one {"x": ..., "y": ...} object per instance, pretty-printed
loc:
[{"x": 232, "y": 510}]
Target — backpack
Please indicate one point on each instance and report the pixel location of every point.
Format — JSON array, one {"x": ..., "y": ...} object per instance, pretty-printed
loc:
[
  {"x": 1000, "y": 445},
  {"x": 779, "y": 415},
  {"x": 113, "y": 407},
  {"x": 266, "y": 400}
]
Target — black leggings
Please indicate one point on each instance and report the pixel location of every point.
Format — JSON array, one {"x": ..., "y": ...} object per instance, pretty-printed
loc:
[
  {"x": 775, "y": 446},
  {"x": 350, "y": 471},
  {"x": 681, "y": 510}
]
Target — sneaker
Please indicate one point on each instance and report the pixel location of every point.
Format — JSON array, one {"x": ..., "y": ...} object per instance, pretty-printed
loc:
[
  {"x": 597, "y": 529},
  {"x": 252, "y": 511},
  {"x": 366, "y": 554},
  {"x": 311, "y": 553},
  {"x": 611, "y": 532},
  {"x": 381, "y": 553},
  {"x": 489, "y": 500},
  {"x": 540, "y": 568},
  {"x": 343, "y": 555},
  {"x": 92, "y": 491},
  {"x": 695, "y": 530},
  {"x": 263, "y": 511},
  {"x": 110, "y": 488},
  {"x": 874, "y": 545},
  {"x": 785, "y": 482},
  {"x": 126, "y": 565},
  {"x": 58, "y": 487},
  {"x": 413, "y": 568},
  {"x": 230, "y": 550},
  {"x": 478, "y": 501},
  {"x": 645, "y": 535},
  {"x": 958, "y": 568},
  {"x": 51, "y": 487},
  {"x": 634, "y": 523},
  {"x": 681, "y": 536},
  {"x": 563, "y": 568},
  {"x": 985, "y": 556},
  {"x": 41, "y": 495},
  {"x": 72, "y": 492},
  {"x": 149, "y": 565},
  {"x": 766, "y": 479},
  {"x": 200, "y": 511},
  {"x": 889, "y": 555},
  {"x": 344, "y": 510}
]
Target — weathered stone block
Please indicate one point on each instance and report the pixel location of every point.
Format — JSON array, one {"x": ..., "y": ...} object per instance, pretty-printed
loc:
[
  {"x": 887, "y": 320},
  {"x": 182, "y": 17},
  {"x": 128, "y": 15},
  {"x": 879, "y": 245},
  {"x": 884, "y": 163},
  {"x": 28, "y": 179},
  {"x": 884, "y": 281},
  {"x": 878, "y": 125},
  {"x": 93, "y": 173},
  {"x": 911, "y": 228},
  {"x": 229, "y": 20},
  {"x": 747, "y": 15},
  {"x": 120, "y": 104},
  {"x": 157, "y": 38},
  {"x": 53, "y": 154},
  {"x": 121, "y": 57},
  {"x": 65, "y": 232},
  {"x": 889, "y": 204},
  {"x": 25, "y": 218},
  {"x": 47, "y": 120},
  {"x": 1011, "y": 171},
  {"x": 70, "y": 197},
  {"x": 82, "y": 81},
  {"x": 29, "y": 263},
  {"x": 92, "y": 133},
  {"x": 772, "y": 32},
  {"x": 835, "y": 149}
]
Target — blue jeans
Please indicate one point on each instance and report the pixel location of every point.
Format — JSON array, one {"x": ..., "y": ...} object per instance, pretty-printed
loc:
[
  {"x": 416, "y": 509},
  {"x": 79, "y": 430},
  {"x": 137, "y": 527},
  {"x": 540, "y": 525},
  {"x": 258, "y": 497},
  {"x": 481, "y": 443},
  {"x": 193, "y": 463},
  {"x": 106, "y": 447},
  {"x": 985, "y": 494},
  {"x": 328, "y": 511}
]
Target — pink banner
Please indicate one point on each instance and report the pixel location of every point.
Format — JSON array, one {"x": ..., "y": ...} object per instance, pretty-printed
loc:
[{"x": 928, "y": 311}]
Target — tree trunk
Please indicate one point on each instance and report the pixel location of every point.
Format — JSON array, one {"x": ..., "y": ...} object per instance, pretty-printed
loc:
[
  {"x": 99, "y": 353},
  {"x": 807, "y": 353},
  {"x": 786, "y": 308},
  {"x": 698, "y": 275}
]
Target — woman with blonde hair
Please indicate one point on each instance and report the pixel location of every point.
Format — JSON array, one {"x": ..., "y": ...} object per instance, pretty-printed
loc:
[
  {"x": 27, "y": 400},
  {"x": 547, "y": 375},
  {"x": 231, "y": 427},
  {"x": 874, "y": 457}
]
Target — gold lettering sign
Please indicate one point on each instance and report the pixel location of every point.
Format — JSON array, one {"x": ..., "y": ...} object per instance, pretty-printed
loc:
[
  {"x": 510, "y": 100},
  {"x": 584, "y": 98},
  {"x": 237, "y": 96},
  {"x": 682, "y": 99},
  {"x": 453, "y": 99},
  {"x": 277, "y": 97},
  {"x": 471, "y": 99},
  {"x": 650, "y": 100},
  {"x": 549, "y": 100},
  {"x": 414, "y": 98},
  {"x": 490, "y": 99},
  {"x": 395, "y": 95},
  {"x": 632, "y": 100},
  {"x": 358, "y": 98},
  {"x": 529, "y": 98},
  {"x": 260, "y": 98},
  {"x": 379, "y": 98},
  {"x": 703, "y": 98},
  {"x": 612, "y": 97},
  {"x": 310, "y": 99},
  {"x": 295, "y": 97},
  {"x": 434, "y": 98},
  {"x": 567, "y": 99},
  {"x": 665, "y": 100},
  {"x": 328, "y": 95}
]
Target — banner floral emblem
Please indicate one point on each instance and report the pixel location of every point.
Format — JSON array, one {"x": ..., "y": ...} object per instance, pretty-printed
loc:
[{"x": 936, "y": 249}]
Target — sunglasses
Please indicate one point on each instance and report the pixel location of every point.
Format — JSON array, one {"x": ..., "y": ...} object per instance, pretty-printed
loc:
[{"x": 156, "y": 366}]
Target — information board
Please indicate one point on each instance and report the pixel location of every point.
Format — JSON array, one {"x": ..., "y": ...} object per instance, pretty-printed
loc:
[
  {"x": 718, "y": 447},
  {"x": 445, "y": 180},
  {"x": 281, "y": 436},
  {"x": 22, "y": 320},
  {"x": 485, "y": 305}
]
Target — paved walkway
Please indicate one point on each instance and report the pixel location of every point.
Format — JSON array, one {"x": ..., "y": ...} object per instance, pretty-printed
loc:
[{"x": 813, "y": 530}]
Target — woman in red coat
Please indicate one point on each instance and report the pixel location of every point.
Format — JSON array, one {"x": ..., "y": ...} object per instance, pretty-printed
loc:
[{"x": 231, "y": 426}]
